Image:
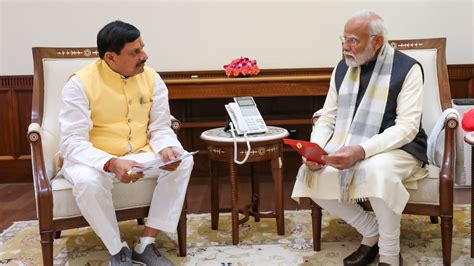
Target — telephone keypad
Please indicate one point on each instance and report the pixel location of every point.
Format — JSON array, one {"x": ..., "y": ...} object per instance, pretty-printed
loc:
[{"x": 249, "y": 112}]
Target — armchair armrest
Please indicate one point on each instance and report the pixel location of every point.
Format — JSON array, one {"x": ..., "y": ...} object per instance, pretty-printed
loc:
[
  {"x": 33, "y": 128},
  {"x": 175, "y": 124},
  {"x": 42, "y": 185},
  {"x": 447, "y": 167}
]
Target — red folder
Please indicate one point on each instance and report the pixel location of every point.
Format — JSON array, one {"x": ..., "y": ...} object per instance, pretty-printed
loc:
[{"x": 310, "y": 150}]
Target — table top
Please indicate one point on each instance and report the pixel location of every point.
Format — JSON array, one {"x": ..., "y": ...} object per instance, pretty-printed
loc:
[{"x": 218, "y": 134}]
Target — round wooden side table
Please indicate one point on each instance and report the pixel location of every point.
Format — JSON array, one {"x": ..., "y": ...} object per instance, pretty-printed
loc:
[{"x": 264, "y": 147}]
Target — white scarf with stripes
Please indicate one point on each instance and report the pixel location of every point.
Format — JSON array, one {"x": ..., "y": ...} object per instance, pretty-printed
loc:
[{"x": 353, "y": 129}]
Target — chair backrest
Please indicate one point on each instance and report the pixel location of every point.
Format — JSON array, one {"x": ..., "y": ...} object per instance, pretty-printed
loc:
[
  {"x": 52, "y": 69},
  {"x": 431, "y": 53}
]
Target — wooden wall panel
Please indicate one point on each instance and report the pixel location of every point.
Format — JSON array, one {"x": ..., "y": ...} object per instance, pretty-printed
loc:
[
  {"x": 15, "y": 112},
  {"x": 286, "y": 97},
  {"x": 461, "y": 81},
  {"x": 7, "y": 135},
  {"x": 23, "y": 110}
]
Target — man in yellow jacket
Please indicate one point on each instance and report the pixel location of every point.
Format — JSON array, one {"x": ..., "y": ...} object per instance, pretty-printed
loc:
[{"x": 115, "y": 116}]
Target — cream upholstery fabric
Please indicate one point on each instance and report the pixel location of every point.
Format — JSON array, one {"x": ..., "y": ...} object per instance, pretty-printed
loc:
[
  {"x": 125, "y": 196},
  {"x": 56, "y": 74},
  {"x": 431, "y": 99},
  {"x": 428, "y": 188}
]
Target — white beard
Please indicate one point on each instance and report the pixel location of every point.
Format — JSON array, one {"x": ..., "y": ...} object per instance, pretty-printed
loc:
[{"x": 355, "y": 61}]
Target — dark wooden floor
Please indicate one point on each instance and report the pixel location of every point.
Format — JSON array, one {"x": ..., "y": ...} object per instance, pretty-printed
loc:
[
  {"x": 17, "y": 203},
  {"x": 17, "y": 200}
]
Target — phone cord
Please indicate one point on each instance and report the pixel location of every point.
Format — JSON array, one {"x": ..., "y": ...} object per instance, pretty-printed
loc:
[{"x": 247, "y": 153}]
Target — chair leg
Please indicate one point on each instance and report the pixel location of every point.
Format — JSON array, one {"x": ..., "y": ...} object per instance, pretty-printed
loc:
[
  {"x": 140, "y": 221},
  {"x": 447, "y": 238},
  {"x": 316, "y": 216},
  {"x": 47, "y": 247},
  {"x": 182, "y": 230},
  {"x": 434, "y": 219},
  {"x": 57, "y": 234}
]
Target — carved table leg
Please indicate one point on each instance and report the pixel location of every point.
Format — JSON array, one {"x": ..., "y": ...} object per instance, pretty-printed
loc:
[
  {"x": 255, "y": 193},
  {"x": 234, "y": 190},
  {"x": 214, "y": 195},
  {"x": 277, "y": 177}
]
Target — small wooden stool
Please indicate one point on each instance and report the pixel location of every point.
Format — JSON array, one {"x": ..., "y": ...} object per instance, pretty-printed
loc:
[{"x": 264, "y": 147}]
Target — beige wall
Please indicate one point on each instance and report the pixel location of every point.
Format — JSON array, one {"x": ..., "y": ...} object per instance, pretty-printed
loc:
[{"x": 204, "y": 35}]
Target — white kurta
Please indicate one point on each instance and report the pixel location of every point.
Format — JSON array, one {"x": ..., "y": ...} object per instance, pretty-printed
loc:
[
  {"x": 388, "y": 165},
  {"x": 75, "y": 124},
  {"x": 83, "y": 165}
]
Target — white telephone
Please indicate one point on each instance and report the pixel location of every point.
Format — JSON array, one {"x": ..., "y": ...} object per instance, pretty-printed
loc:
[
  {"x": 246, "y": 119},
  {"x": 245, "y": 116}
]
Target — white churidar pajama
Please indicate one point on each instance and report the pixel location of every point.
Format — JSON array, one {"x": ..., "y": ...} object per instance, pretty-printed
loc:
[
  {"x": 92, "y": 190},
  {"x": 385, "y": 172},
  {"x": 386, "y": 225}
]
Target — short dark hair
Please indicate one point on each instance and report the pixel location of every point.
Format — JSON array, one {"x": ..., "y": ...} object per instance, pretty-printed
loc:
[{"x": 113, "y": 37}]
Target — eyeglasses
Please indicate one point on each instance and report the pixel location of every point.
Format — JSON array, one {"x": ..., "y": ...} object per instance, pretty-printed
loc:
[{"x": 352, "y": 40}]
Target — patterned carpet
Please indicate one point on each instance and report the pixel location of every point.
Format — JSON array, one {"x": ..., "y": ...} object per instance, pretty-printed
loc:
[{"x": 260, "y": 245}]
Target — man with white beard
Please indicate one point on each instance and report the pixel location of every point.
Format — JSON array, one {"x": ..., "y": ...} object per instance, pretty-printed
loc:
[{"x": 370, "y": 125}]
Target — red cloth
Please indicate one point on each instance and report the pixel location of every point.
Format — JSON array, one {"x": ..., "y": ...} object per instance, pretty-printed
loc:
[{"x": 467, "y": 122}]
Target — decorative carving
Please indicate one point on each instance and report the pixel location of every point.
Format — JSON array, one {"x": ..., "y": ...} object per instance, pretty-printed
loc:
[
  {"x": 175, "y": 124},
  {"x": 213, "y": 149},
  {"x": 33, "y": 137},
  {"x": 273, "y": 148},
  {"x": 406, "y": 44},
  {"x": 452, "y": 123},
  {"x": 252, "y": 152},
  {"x": 86, "y": 52},
  {"x": 261, "y": 150}
]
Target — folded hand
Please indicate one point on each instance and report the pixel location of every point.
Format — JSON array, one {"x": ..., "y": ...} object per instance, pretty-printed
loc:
[
  {"x": 345, "y": 157},
  {"x": 314, "y": 166},
  {"x": 122, "y": 170},
  {"x": 168, "y": 154}
]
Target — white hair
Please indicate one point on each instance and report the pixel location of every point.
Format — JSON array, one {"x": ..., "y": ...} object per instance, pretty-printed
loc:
[{"x": 377, "y": 25}]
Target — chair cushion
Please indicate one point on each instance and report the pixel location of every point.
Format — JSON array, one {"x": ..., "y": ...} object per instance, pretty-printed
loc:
[
  {"x": 428, "y": 188},
  {"x": 64, "y": 204}
]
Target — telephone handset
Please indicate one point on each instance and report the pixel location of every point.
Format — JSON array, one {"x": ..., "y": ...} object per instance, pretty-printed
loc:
[{"x": 245, "y": 116}]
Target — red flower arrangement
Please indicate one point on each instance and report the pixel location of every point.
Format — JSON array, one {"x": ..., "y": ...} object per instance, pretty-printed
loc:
[{"x": 242, "y": 66}]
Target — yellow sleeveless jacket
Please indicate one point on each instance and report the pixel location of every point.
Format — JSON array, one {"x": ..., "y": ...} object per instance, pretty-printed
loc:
[{"x": 119, "y": 107}]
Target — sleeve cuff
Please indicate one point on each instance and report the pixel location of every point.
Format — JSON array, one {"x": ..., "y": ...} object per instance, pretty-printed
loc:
[
  {"x": 164, "y": 143},
  {"x": 368, "y": 149}
]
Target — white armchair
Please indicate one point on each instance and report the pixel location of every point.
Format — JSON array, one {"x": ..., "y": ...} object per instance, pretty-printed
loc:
[{"x": 55, "y": 204}]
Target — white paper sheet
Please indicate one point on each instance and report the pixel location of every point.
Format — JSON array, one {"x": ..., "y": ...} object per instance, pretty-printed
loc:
[{"x": 156, "y": 164}]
